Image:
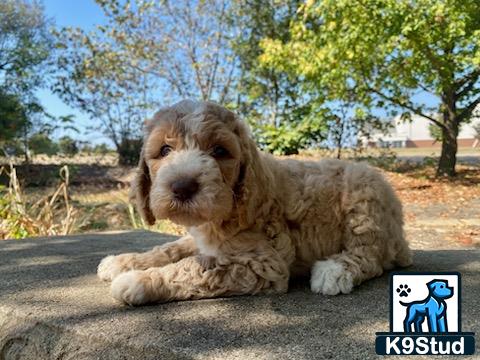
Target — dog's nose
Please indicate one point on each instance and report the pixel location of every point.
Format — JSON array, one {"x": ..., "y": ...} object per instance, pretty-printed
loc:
[{"x": 184, "y": 189}]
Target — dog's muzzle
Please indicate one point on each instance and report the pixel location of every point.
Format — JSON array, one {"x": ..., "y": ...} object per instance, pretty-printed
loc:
[{"x": 184, "y": 189}]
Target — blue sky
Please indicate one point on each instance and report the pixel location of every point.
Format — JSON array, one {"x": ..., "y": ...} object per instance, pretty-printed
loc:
[{"x": 75, "y": 13}]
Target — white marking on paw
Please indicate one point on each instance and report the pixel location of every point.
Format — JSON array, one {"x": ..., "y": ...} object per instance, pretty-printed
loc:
[
  {"x": 128, "y": 288},
  {"x": 108, "y": 269},
  {"x": 329, "y": 277}
]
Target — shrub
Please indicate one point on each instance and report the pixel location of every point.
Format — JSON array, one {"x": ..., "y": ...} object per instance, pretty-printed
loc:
[
  {"x": 386, "y": 159},
  {"x": 67, "y": 146},
  {"x": 288, "y": 139},
  {"x": 41, "y": 144},
  {"x": 101, "y": 149}
]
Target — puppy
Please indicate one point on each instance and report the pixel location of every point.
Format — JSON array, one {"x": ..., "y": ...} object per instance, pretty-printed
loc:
[
  {"x": 253, "y": 221},
  {"x": 432, "y": 308}
]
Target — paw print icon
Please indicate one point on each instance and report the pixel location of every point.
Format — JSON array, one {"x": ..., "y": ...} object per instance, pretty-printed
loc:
[{"x": 403, "y": 290}]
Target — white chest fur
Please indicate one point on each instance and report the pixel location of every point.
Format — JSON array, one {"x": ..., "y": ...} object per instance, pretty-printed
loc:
[{"x": 205, "y": 246}]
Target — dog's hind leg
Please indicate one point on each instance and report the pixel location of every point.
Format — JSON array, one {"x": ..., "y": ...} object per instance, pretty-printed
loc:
[
  {"x": 373, "y": 238},
  {"x": 360, "y": 260},
  {"x": 407, "y": 325},
  {"x": 412, "y": 318},
  {"x": 111, "y": 266}
]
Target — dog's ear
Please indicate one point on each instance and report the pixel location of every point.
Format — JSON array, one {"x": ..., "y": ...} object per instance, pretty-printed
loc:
[
  {"x": 252, "y": 187},
  {"x": 222, "y": 113},
  {"x": 432, "y": 284},
  {"x": 140, "y": 190}
]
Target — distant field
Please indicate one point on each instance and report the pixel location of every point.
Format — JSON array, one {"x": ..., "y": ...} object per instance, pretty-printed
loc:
[{"x": 110, "y": 159}]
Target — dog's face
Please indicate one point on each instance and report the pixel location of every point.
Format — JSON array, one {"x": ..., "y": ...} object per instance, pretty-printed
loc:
[
  {"x": 440, "y": 289},
  {"x": 191, "y": 164}
]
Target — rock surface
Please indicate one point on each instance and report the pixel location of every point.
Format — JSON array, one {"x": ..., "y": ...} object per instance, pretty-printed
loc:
[{"x": 52, "y": 306}]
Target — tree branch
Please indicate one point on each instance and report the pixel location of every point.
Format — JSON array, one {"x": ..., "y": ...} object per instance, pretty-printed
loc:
[
  {"x": 213, "y": 73},
  {"x": 3, "y": 66},
  {"x": 461, "y": 82},
  {"x": 469, "y": 80},
  {"x": 466, "y": 112},
  {"x": 226, "y": 86},
  {"x": 406, "y": 106}
]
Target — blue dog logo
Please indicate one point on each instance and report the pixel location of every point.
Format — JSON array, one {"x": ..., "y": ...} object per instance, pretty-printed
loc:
[
  {"x": 425, "y": 327},
  {"x": 433, "y": 308}
]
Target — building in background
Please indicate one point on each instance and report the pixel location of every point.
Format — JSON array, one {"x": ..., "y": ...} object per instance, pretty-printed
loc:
[{"x": 416, "y": 134}]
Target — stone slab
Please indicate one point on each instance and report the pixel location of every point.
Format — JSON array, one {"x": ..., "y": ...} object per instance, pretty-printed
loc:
[{"x": 52, "y": 306}]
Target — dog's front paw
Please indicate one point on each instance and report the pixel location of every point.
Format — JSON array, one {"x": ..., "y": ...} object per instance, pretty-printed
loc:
[
  {"x": 206, "y": 262},
  {"x": 130, "y": 288},
  {"x": 110, "y": 267},
  {"x": 330, "y": 277}
]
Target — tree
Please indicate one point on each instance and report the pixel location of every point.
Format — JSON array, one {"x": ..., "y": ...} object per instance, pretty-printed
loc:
[
  {"x": 389, "y": 52},
  {"x": 13, "y": 117},
  {"x": 342, "y": 127},
  {"x": 93, "y": 76},
  {"x": 149, "y": 53},
  {"x": 41, "y": 143},
  {"x": 282, "y": 111},
  {"x": 265, "y": 94},
  {"x": 25, "y": 49},
  {"x": 185, "y": 44},
  {"x": 25, "y": 46}
]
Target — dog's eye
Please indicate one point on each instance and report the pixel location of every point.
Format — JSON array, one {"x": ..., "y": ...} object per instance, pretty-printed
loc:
[
  {"x": 219, "y": 152},
  {"x": 165, "y": 150}
]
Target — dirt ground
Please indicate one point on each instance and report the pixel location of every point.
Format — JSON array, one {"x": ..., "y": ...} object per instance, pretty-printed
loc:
[{"x": 439, "y": 213}]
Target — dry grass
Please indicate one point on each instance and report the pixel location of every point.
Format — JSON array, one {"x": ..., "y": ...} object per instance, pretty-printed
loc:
[
  {"x": 63, "y": 210},
  {"x": 51, "y": 215},
  {"x": 110, "y": 209}
]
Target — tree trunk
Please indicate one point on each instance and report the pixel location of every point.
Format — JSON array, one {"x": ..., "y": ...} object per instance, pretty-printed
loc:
[
  {"x": 448, "y": 157},
  {"x": 25, "y": 145},
  {"x": 129, "y": 152},
  {"x": 339, "y": 147}
]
